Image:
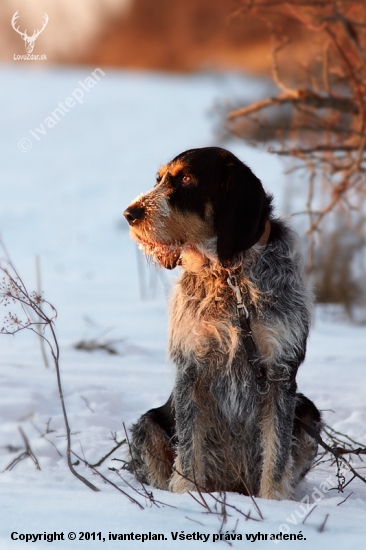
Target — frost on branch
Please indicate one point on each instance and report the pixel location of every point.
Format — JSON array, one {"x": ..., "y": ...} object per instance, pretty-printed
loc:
[{"x": 14, "y": 295}]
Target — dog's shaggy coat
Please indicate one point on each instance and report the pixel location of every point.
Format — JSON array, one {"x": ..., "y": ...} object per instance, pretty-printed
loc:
[{"x": 221, "y": 429}]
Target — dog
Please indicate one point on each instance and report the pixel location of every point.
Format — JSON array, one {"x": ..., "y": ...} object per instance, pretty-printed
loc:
[{"x": 239, "y": 322}]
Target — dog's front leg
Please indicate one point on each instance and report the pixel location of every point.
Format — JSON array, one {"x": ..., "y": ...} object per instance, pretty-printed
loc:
[
  {"x": 278, "y": 410},
  {"x": 188, "y": 472}
]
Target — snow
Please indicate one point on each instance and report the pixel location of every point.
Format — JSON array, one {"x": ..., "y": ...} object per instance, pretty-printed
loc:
[{"x": 63, "y": 201}]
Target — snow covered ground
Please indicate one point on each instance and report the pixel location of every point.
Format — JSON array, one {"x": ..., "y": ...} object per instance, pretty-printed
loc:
[{"x": 62, "y": 196}]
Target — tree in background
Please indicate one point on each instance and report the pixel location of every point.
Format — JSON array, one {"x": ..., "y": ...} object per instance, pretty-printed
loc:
[{"x": 318, "y": 118}]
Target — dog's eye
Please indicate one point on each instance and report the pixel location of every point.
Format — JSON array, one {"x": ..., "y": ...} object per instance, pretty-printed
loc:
[{"x": 186, "y": 180}]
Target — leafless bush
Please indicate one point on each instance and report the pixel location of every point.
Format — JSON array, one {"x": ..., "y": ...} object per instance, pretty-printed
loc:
[
  {"x": 318, "y": 118},
  {"x": 339, "y": 449},
  {"x": 338, "y": 266},
  {"x": 14, "y": 293}
]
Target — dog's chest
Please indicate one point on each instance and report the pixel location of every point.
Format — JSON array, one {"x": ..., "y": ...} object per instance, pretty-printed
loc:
[
  {"x": 206, "y": 342},
  {"x": 203, "y": 325}
]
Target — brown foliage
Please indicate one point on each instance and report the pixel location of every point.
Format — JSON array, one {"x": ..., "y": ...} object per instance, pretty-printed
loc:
[{"x": 184, "y": 36}]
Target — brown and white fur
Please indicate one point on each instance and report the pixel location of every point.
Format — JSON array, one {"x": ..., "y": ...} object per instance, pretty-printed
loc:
[{"x": 219, "y": 429}]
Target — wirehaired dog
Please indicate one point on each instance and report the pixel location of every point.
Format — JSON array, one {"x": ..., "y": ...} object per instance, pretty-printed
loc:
[{"x": 239, "y": 321}]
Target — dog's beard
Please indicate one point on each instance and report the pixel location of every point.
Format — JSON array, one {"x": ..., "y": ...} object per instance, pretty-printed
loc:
[{"x": 164, "y": 254}]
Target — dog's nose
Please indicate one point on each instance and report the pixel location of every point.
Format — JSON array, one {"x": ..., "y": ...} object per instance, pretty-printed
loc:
[{"x": 134, "y": 213}]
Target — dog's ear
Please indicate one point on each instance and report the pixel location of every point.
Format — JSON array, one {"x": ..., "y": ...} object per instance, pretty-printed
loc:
[{"x": 242, "y": 211}]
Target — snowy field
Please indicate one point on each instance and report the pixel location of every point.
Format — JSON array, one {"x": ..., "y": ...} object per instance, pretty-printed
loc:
[{"x": 63, "y": 193}]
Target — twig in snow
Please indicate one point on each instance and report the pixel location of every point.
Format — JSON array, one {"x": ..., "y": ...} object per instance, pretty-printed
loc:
[
  {"x": 10, "y": 448},
  {"x": 43, "y": 435},
  {"x": 308, "y": 514},
  {"x": 152, "y": 500},
  {"x": 337, "y": 453},
  {"x": 345, "y": 499},
  {"x": 87, "y": 403},
  {"x": 13, "y": 291},
  {"x": 100, "y": 462},
  {"x": 198, "y": 501},
  {"x": 148, "y": 495},
  {"x": 321, "y": 528},
  {"x": 92, "y": 344},
  {"x": 25, "y": 454},
  {"x": 332, "y": 434},
  {"x": 86, "y": 463}
]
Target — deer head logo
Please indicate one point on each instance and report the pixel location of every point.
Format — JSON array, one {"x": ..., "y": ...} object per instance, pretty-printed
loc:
[{"x": 29, "y": 41}]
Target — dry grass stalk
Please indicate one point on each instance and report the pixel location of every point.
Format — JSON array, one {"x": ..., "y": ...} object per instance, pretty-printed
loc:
[{"x": 14, "y": 293}]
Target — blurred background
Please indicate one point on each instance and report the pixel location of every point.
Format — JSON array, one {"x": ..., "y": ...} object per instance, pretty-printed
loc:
[
  {"x": 298, "y": 66},
  {"x": 168, "y": 35}
]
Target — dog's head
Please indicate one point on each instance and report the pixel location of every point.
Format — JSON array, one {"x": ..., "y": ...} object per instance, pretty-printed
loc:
[{"x": 204, "y": 199}]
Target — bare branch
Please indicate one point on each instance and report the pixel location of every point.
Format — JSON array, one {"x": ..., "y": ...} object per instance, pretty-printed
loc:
[
  {"x": 43, "y": 435},
  {"x": 131, "y": 499},
  {"x": 100, "y": 462},
  {"x": 336, "y": 452},
  {"x": 28, "y": 453},
  {"x": 319, "y": 116},
  {"x": 321, "y": 528},
  {"x": 308, "y": 514},
  {"x": 14, "y": 291},
  {"x": 300, "y": 97}
]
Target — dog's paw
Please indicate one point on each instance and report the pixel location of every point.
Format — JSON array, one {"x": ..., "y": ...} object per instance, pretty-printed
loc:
[{"x": 178, "y": 484}]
